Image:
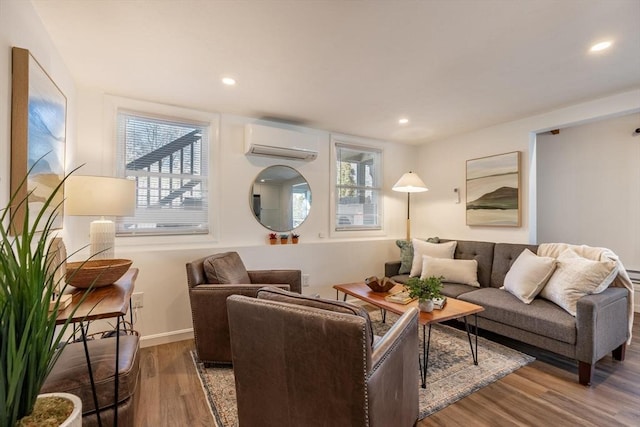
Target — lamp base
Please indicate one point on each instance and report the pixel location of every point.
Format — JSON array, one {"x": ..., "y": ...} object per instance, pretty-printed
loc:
[{"x": 102, "y": 235}]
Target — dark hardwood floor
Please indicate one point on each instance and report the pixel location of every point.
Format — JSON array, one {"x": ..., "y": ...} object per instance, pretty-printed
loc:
[{"x": 544, "y": 393}]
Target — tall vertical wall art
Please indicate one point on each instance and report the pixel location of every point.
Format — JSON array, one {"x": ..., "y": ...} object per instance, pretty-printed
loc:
[
  {"x": 38, "y": 135},
  {"x": 493, "y": 190}
]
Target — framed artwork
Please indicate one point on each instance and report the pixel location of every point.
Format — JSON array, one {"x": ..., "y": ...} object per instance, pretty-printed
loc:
[
  {"x": 493, "y": 190},
  {"x": 38, "y": 136}
]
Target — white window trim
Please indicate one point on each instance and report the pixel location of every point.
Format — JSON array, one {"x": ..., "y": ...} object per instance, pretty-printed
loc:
[
  {"x": 356, "y": 142},
  {"x": 111, "y": 106}
]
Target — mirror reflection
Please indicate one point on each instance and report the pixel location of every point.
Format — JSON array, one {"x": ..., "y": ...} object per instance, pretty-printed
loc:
[{"x": 280, "y": 198}]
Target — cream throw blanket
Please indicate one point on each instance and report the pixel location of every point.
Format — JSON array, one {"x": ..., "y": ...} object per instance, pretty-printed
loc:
[{"x": 622, "y": 280}]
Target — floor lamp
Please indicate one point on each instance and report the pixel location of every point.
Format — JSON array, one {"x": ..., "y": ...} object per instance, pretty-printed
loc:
[
  {"x": 409, "y": 183},
  {"x": 100, "y": 196}
]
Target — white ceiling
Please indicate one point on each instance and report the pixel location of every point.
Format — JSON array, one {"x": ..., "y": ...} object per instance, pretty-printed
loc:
[{"x": 354, "y": 67}]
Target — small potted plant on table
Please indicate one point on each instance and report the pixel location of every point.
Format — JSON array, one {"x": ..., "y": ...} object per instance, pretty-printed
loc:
[
  {"x": 284, "y": 239},
  {"x": 426, "y": 290},
  {"x": 273, "y": 238},
  {"x": 294, "y": 238}
]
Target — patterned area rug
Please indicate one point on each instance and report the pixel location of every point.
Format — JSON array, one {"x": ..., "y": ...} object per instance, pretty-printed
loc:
[{"x": 450, "y": 377}]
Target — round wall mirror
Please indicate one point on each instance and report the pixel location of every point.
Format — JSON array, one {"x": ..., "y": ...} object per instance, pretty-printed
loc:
[{"x": 280, "y": 198}]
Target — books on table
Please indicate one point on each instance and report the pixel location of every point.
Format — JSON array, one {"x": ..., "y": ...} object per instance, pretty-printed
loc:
[{"x": 401, "y": 297}]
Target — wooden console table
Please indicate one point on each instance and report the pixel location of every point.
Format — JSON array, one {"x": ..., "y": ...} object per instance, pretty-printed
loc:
[{"x": 105, "y": 302}]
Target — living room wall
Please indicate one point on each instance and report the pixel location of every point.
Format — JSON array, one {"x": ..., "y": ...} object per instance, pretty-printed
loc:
[
  {"x": 443, "y": 168},
  {"x": 589, "y": 191},
  {"x": 20, "y": 26}
]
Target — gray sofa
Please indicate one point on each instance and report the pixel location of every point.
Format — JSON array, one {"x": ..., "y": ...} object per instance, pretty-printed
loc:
[{"x": 600, "y": 325}]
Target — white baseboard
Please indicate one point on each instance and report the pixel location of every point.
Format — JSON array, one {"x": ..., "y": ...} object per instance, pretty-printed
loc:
[{"x": 166, "y": 338}]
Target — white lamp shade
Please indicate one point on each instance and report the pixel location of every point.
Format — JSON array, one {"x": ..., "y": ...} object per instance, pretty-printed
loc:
[
  {"x": 99, "y": 196},
  {"x": 410, "y": 183}
]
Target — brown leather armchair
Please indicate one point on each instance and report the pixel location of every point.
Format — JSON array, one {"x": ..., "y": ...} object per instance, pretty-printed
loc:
[
  {"x": 211, "y": 280},
  {"x": 304, "y": 361}
]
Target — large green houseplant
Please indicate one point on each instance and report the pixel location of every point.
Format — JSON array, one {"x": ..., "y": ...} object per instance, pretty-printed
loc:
[{"x": 30, "y": 342}]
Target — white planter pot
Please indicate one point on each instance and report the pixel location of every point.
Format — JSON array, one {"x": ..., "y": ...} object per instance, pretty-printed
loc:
[
  {"x": 75, "y": 419},
  {"x": 426, "y": 305}
]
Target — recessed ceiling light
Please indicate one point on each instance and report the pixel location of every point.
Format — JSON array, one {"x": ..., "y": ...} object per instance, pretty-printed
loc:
[
  {"x": 403, "y": 121},
  {"x": 600, "y": 46},
  {"x": 228, "y": 81}
]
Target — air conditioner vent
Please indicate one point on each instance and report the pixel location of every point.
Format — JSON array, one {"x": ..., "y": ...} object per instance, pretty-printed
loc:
[{"x": 281, "y": 143}]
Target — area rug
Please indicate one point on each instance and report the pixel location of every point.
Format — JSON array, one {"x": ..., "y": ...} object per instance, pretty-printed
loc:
[{"x": 450, "y": 377}]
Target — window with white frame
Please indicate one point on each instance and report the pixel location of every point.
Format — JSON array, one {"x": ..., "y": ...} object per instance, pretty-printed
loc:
[
  {"x": 168, "y": 159},
  {"x": 358, "y": 189}
]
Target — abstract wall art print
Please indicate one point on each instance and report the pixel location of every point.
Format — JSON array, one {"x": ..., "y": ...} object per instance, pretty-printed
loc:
[
  {"x": 38, "y": 136},
  {"x": 493, "y": 190}
]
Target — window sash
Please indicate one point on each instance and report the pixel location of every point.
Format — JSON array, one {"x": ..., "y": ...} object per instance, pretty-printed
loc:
[
  {"x": 358, "y": 192},
  {"x": 168, "y": 160}
]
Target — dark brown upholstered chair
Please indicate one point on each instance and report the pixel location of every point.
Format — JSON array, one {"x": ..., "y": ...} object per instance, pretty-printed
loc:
[
  {"x": 300, "y": 361},
  {"x": 211, "y": 280}
]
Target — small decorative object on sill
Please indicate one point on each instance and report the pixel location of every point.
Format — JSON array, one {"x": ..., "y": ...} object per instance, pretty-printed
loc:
[
  {"x": 294, "y": 238},
  {"x": 284, "y": 239},
  {"x": 376, "y": 286},
  {"x": 273, "y": 238}
]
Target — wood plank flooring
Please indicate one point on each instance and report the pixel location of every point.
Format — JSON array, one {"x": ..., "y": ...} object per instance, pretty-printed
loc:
[{"x": 544, "y": 392}]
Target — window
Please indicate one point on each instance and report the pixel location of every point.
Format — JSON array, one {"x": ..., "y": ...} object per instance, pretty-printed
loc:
[
  {"x": 168, "y": 158},
  {"x": 358, "y": 188}
]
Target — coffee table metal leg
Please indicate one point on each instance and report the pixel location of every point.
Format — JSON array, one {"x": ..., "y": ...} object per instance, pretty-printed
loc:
[
  {"x": 425, "y": 355},
  {"x": 474, "y": 353}
]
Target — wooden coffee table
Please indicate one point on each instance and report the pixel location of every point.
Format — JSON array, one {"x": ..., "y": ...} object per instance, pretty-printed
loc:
[{"x": 453, "y": 309}]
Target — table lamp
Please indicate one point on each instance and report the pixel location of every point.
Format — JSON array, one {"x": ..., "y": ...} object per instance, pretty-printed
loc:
[
  {"x": 100, "y": 196},
  {"x": 409, "y": 183}
]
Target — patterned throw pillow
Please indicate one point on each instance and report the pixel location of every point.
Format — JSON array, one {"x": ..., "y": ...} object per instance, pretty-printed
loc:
[{"x": 406, "y": 253}]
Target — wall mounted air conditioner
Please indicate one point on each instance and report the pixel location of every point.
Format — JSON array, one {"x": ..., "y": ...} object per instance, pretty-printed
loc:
[{"x": 269, "y": 141}]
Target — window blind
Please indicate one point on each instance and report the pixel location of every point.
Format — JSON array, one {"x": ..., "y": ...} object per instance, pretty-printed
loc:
[{"x": 168, "y": 160}]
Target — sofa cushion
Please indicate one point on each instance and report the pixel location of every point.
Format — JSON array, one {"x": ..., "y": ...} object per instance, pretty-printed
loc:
[
  {"x": 226, "y": 269},
  {"x": 481, "y": 252},
  {"x": 541, "y": 317},
  {"x": 464, "y": 271},
  {"x": 576, "y": 277},
  {"x": 528, "y": 275},
  {"x": 276, "y": 294},
  {"x": 454, "y": 290},
  {"x": 436, "y": 250},
  {"x": 406, "y": 253},
  {"x": 504, "y": 255}
]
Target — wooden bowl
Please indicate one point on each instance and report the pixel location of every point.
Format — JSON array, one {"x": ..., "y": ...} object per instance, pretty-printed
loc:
[
  {"x": 377, "y": 285},
  {"x": 98, "y": 272}
]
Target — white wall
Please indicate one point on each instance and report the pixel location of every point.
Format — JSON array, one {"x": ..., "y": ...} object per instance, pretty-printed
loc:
[
  {"x": 589, "y": 186},
  {"x": 20, "y": 26},
  {"x": 442, "y": 167}
]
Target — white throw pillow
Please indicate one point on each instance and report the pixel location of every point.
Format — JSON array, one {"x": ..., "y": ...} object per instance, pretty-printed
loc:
[
  {"x": 436, "y": 250},
  {"x": 576, "y": 277},
  {"x": 463, "y": 271},
  {"x": 528, "y": 275}
]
